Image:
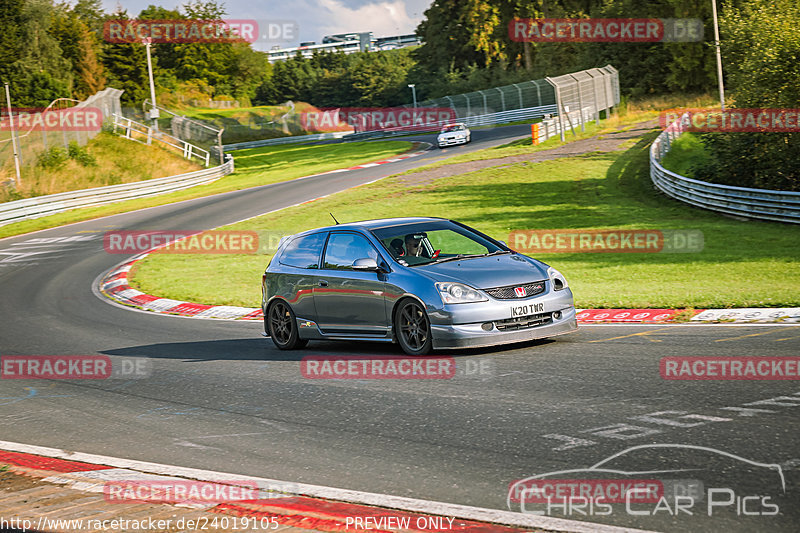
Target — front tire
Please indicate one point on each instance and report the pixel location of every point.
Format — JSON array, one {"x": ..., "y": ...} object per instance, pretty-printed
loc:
[
  {"x": 282, "y": 326},
  {"x": 412, "y": 328}
]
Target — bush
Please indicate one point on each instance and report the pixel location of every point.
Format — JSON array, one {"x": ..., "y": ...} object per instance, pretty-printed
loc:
[
  {"x": 81, "y": 155},
  {"x": 759, "y": 160},
  {"x": 53, "y": 158}
]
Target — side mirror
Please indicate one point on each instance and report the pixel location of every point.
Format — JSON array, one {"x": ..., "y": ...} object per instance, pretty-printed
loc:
[{"x": 367, "y": 264}]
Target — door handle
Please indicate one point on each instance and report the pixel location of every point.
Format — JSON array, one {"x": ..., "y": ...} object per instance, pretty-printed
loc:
[{"x": 323, "y": 283}]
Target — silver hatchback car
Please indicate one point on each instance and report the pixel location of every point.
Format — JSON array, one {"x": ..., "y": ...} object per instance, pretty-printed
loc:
[{"x": 425, "y": 283}]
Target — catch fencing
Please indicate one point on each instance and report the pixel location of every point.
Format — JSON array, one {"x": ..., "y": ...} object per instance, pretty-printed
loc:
[
  {"x": 587, "y": 92},
  {"x": 187, "y": 129},
  {"x": 592, "y": 90},
  {"x": 31, "y": 141},
  {"x": 765, "y": 204}
]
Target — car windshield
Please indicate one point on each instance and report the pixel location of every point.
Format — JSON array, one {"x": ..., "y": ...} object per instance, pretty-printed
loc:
[
  {"x": 448, "y": 129},
  {"x": 424, "y": 243}
]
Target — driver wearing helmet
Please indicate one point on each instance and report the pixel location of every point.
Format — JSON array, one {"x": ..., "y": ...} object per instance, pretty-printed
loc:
[{"x": 415, "y": 246}]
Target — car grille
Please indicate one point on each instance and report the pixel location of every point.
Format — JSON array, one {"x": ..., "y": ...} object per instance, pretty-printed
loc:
[
  {"x": 524, "y": 322},
  {"x": 508, "y": 293}
]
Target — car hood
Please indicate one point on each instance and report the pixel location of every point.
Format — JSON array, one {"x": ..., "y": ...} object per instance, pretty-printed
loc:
[
  {"x": 486, "y": 272},
  {"x": 452, "y": 134}
]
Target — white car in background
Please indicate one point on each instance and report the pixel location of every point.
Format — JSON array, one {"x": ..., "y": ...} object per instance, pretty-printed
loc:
[{"x": 452, "y": 134}]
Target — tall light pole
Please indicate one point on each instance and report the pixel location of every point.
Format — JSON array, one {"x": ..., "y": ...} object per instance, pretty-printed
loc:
[
  {"x": 414, "y": 93},
  {"x": 13, "y": 135},
  {"x": 719, "y": 55},
  {"x": 154, "y": 109}
]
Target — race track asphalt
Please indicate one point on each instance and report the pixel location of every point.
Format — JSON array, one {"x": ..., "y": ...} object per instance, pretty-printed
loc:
[{"x": 221, "y": 397}]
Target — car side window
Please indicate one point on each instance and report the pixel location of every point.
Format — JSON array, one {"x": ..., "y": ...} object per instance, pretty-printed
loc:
[
  {"x": 344, "y": 248},
  {"x": 303, "y": 252}
]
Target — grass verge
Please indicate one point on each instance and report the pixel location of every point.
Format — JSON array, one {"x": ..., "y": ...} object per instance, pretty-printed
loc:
[
  {"x": 254, "y": 167},
  {"x": 685, "y": 155},
  {"x": 743, "y": 264},
  {"x": 108, "y": 159}
]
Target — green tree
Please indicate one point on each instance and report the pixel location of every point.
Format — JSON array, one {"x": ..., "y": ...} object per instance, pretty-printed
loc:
[
  {"x": 82, "y": 49},
  {"x": 40, "y": 73},
  {"x": 11, "y": 44},
  {"x": 760, "y": 48},
  {"x": 126, "y": 67}
]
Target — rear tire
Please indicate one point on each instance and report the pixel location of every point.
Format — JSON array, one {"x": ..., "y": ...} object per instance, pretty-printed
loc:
[
  {"x": 282, "y": 326},
  {"x": 412, "y": 328}
]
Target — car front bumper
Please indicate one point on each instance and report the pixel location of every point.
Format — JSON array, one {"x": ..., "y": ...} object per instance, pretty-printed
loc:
[
  {"x": 490, "y": 323},
  {"x": 451, "y": 142}
]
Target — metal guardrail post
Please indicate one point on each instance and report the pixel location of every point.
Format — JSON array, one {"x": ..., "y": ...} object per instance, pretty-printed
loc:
[
  {"x": 485, "y": 106},
  {"x": 538, "y": 92},
  {"x": 521, "y": 105},
  {"x": 559, "y": 106},
  {"x": 580, "y": 103}
]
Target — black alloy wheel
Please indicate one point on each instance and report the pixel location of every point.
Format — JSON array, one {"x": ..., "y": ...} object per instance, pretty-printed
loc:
[
  {"x": 413, "y": 329},
  {"x": 282, "y": 326}
]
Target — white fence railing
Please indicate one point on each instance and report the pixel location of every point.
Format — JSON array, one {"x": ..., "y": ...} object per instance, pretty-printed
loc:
[
  {"x": 56, "y": 203},
  {"x": 136, "y": 131},
  {"x": 782, "y": 206}
]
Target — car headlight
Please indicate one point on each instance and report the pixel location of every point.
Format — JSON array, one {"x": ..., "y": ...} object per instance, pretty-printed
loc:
[
  {"x": 557, "y": 278},
  {"x": 460, "y": 136},
  {"x": 458, "y": 293}
]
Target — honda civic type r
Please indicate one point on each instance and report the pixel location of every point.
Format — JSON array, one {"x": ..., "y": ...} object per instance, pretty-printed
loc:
[{"x": 424, "y": 283}]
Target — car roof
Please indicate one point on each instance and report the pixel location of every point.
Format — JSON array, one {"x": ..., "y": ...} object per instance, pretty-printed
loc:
[{"x": 377, "y": 223}]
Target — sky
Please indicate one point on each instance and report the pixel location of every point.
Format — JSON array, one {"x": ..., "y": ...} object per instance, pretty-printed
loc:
[{"x": 314, "y": 18}]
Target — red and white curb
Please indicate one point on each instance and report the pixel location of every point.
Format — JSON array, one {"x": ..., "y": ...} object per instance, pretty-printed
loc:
[
  {"x": 385, "y": 161},
  {"x": 751, "y": 314},
  {"x": 294, "y": 504},
  {"x": 115, "y": 286}
]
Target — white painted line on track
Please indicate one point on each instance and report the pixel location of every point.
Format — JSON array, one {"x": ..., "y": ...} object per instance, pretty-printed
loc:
[{"x": 466, "y": 512}]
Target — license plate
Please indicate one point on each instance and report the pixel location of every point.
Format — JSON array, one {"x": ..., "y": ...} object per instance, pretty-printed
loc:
[{"x": 525, "y": 310}]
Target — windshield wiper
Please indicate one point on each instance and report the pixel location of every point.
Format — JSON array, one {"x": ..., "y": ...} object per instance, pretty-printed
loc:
[{"x": 472, "y": 256}]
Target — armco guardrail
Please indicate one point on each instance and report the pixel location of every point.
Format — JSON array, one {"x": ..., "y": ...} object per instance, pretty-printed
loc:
[
  {"x": 56, "y": 203},
  {"x": 284, "y": 140},
  {"x": 782, "y": 206}
]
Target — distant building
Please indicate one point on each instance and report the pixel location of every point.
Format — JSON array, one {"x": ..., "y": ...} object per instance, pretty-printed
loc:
[
  {"x": 345, "y": 42},
  {"x": 397, "y": 41}
]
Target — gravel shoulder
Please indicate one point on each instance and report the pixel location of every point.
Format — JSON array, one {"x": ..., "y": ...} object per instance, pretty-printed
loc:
[{"x": 607, "y": 142}]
